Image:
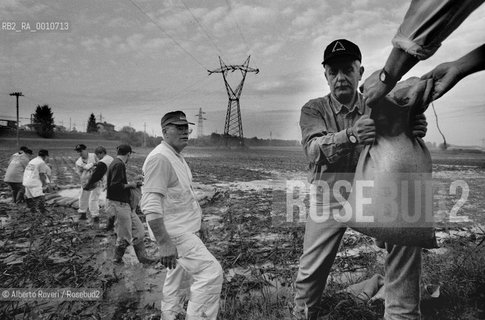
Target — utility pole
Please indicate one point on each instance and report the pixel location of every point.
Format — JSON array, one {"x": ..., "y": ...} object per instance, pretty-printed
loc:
[
  {"x": 17, "y": 94},
  {"x": 69, "y": 124},
  {"x": 144, "y": 135},
  {"x": 200, "y": 123},
  {"x": 233, "y": 124}
]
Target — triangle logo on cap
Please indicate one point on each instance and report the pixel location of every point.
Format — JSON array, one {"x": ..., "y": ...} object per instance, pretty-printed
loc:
[{"x": 338, "y": 47}]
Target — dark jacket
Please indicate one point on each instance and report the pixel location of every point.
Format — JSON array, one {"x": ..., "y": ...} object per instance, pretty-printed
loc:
[
  {"x": 97, "y": 175},
  {"x": 116, "y": 190}
]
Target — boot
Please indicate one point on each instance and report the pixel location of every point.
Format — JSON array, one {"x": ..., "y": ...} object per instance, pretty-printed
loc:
[
  {"x": 111, "y": 224},
  {"x": 30, "y": 204},
  {"x": 141, "y": 254},
  {"x": 119, "y": 252},
  {"x": 83, "y": 216}
]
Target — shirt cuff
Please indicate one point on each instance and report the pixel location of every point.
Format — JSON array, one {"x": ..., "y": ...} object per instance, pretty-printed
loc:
[
  {"x": 341, "y": 139},
  {"x": 412, "y": 48},
  {"x": 149, "y": 216}
]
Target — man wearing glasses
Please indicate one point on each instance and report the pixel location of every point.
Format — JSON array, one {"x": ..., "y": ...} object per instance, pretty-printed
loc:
[{"x": 174, "y": 216}]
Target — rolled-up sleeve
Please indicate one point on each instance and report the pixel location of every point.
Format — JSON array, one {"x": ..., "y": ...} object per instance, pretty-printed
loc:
[
  {"x": 428, "y": 22},
  {"x": 151, "y": 204},
  {"x": 158, "y": 176},
  {"x": 322, "y": 143}
]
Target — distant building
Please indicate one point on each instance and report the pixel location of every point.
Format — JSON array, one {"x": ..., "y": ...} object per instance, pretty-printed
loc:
[
  {"x": 28, "y": 127},
  {"x": 8, "y": 124},
  {"x": 60, "y": 129},
  {"x": 105, "y": 127}
]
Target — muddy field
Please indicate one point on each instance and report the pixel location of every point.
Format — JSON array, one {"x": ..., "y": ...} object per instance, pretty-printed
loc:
[{"x": 258, "y": 250}]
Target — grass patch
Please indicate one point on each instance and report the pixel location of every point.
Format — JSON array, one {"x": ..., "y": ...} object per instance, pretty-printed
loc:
[{"x": 461, "y": 275}]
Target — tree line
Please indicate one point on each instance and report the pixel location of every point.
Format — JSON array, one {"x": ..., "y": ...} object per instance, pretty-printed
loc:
[{"x": 44, "y": 125}]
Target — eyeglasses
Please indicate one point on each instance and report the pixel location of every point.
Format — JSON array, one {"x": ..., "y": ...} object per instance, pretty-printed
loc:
[{"x": 181, "y": 127}]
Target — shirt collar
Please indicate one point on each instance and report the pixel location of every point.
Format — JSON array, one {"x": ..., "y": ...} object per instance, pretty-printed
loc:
[
  {"x": 172, "y": 148},
  {"x": 358, "y": 105}
]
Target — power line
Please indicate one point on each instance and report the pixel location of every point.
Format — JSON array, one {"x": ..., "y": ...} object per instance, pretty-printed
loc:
[
  {"x": 202, "y": 27},
  {"x": 437, "y": 125},
  {"x": 184, "y": 91},
  {"x": 168, "y": 35},
  {"x": 237, "y": 26}
]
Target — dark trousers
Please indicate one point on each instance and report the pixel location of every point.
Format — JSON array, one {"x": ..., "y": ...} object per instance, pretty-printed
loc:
[
  {"x": 36, "y": 204},
  {"x": 18, "y": 191}
]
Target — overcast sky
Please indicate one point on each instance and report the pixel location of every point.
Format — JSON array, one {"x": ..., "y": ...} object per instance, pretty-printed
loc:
[{"x": 116, "y": 61}]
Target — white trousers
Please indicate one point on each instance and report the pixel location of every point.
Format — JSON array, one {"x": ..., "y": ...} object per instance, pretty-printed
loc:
[
  {"x": 89, "y": 199},
  {"x": 197, "y": 270}
]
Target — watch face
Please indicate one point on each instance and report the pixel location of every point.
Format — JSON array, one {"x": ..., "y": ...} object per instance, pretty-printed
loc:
[
  {"x": 353, "y": 139},
  {"x": 382, "y": 76}
]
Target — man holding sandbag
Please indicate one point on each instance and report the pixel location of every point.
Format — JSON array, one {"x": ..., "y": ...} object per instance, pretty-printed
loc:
[{"x": 335, "y": 129}]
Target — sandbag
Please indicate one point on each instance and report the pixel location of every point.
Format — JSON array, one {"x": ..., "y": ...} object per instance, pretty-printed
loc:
[
  {"x": 135, "y": 197},
  {"x": 391, "y": 195},
  {"x": 85, "y": 176}
]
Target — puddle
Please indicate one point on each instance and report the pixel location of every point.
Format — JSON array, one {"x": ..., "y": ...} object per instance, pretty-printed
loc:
[
  {"x": 477, "y": 230},
  {"x": 137, "y": 286},
  {"x": 74, "y": 193},
  {"x": 268, "y": 236},
  {"x": 255, "y": 185},
  {"x": 357, "y": 251},
  {"x": 201, "y": 191},
  {"x": 4, "y": 221}
]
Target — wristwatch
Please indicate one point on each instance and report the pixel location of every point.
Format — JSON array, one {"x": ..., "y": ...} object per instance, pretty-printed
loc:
[
  {"x": 386, "y": 78},
  {"x": 350, "y": 135}
]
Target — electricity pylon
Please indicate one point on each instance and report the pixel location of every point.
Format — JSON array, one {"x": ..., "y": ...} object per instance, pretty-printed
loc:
[
  {"x": 233, "y": 124},
  {"x": 200, "y": 123}
]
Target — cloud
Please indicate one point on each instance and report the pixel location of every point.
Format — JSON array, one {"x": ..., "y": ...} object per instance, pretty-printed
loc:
[
  {"x": 249, "y": 18},
  {"x": 287, "y": 11},
  {"x": 272, "y": 49},
  {"x": 90, "y": 44},
  {"x": 17, "y": 9},
  {"x": 290, "y": 83},
  {"x": 174, "y": 21},
  {"x": 305, "y": 19}
]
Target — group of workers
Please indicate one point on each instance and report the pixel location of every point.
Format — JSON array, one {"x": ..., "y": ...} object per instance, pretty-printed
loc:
[
  {"x": 168, "y": 201},
  {"x": 334, "y": 130},
  {"x": 29, "y": 178}
]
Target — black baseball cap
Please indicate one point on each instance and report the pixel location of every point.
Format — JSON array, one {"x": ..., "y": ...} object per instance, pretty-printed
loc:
[
  {"x": 43, "y": 153},
  {"x": 124, "y": 149},
  {"x": 174, "y": 117},
  {"x": 341, "y": 47},
  {"x": 80, "y": 147}
]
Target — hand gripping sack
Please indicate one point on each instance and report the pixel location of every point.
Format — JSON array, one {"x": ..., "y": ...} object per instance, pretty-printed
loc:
[
  {"x": 391, "y": 197},
  {"x": 85, "y": 176}
]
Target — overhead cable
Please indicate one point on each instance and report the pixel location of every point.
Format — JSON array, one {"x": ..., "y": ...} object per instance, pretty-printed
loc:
[
  {"x": 168, "y": 35},
  {"x": 202, "y": 28}
]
